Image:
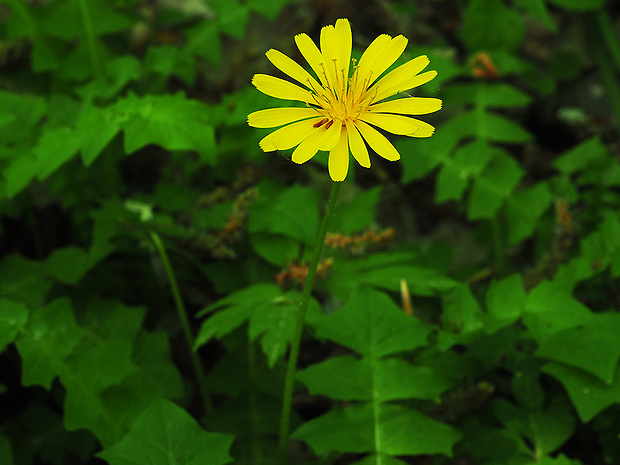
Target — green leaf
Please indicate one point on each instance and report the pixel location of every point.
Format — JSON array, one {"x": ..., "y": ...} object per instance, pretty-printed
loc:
[
  {"x": 578, "y": 158},
  {"x": 20, "y": 171},
  {"x": 275, "y": 248},
  {"x": 49, "y": 337},
  {"x": 589, "y": 394},
  {"x": 13, "y": 318},
  {"x": 594, "y": 346},
  {"x": 490, "y": 190},
  {"x": 177, "y": 438},
  {"x": 550, "y": 308},
  {"x": 171, "y": 121},
  {"x": 55, "y": 147},
  {"x": 119, "y": 72},
  {"x": 356, "y": 214},
  {"x": 467, "y": 163},
  {"x": 505, "y": 303},
  {"x": 373, "y": 325},
  {"x": 270, "y": 9},
  {"x": 96, "y": 128},
  {"x": 23, "y": 280},
  {"x": 383, "y": 429},
  {"x": 6, "y": 453},
  {"x": 524, "y": 209},
  {"x": 538, "y": 9},
  {"x": 347, "y": 378},
  {"x": 232, "y": 17},
  {"x": 491, "y": 25},
  {"x": 83, "y": 403},
  {"x": 546, "y": 429},
  {"x": 485, "y": 95},
  {"x": 462, "y": 317},
  {"x": 579, "y": 5},
  {"x": 421, "y": 156},
  {"x": 25, "y": 112},
  {"x": 292, "y": 212}
]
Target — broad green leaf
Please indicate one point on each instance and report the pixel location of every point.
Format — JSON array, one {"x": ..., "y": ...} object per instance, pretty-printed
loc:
[
  {"x": 171, "y": 121},
  {"x": 6, "y": 453},
  {"x": 167, "y": 435},
  {"x": 505, "y": 301},
  {"x": 204, "y": 40},
  {"x": 378, "y": 380},
  {"x": 96, "y": 128},
  {"x": 232, "y": 16},
  {"x": 383, "y": 429},
  {"x": 498, "y": 128},
  {"x": 588, "y": 393},
  {"x": 66, "y": 19},
  {"x": 371, "y": 324},
  {"x": 502, "y": 446},
  {"x": 292, "y": 212},
  {"x": 421, "y": 156},
  {"x": 486, "y": 95},
  {"x": 119, "y": 72},
  {"x": 466, "y": 164},
  {"x": 276, "y": 249},
  {"x": 168, "y": 60},
  {"x": 68, "y": 265},
  {"x": 20, "y": 172},
  {"x": 26, "y": 112},
  {"x": 13, "y": 318},
  {"x": 84, "y": 406},
  {"x": 579, "y": 157},
  {"x": 561, "y": 459},
  {"x": 524, "y": 209},
  {"x": 546, "y": 429},
  {"x": 550, "y": 309},
  {"x": 462, "y": 317},
  {"x": 55, "y": 147},
  {"x": 490, "y": 24},
  {"x": 268, "y": 8},
  {"x": 49, "y": 337},
  {"x": 357, "y": 213},
  {"x": 538, "y": 9},
  {"x": 593, "y": 347},
  {"x": 579, "y": 5},
  {"x": 23, "y": 280}
]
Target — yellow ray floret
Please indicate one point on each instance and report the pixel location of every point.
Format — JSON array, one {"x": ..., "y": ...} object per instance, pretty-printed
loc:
[{"x": 345, "y": 102}]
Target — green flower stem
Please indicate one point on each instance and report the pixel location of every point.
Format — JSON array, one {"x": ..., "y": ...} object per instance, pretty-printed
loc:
[
  {"x": 91, "y": 38},
  {"x": 178, "y": 301},
  {"x": 299, "y": 325}
]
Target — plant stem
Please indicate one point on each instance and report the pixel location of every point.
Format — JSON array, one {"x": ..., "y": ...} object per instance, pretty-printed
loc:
[
  {"x": 91, "y": 39},
  {"x": 299, "y": 325},
  {"x": 178, "y": 301}
]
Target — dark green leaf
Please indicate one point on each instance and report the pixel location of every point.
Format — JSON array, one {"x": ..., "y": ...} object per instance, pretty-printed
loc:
[
  {"x": 505, "y": 303},
  {"x": 177, "y": 438},
  {"x": 524, "y": 209},
  {"x": 13, "y": 317},
  {"x": 54, "y": 148},
  {"x": 490, "y": 25}
]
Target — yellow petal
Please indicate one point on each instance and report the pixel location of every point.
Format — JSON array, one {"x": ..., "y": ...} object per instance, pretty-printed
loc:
[
  {"x": 289, "y": 136},
  {"x": 406, "y": 83},
  {"x": 274, "y": 117},
  {"x": 369, "y": 58},
  {"x": 344, "y": 43},
  {"x": 408, "y": 106},
  {"x": 308, "y": 147},
  {"x": 357, "y": 145},
  {"x": 384, "y": 58},
  {"x": 396, "y": 77},
  {"x": 279, "y": 88},
  {"x": 396, "y": 124},
  {"x": 377, "y": 141},
  {"x": 338, "y": 161},
  {"x": 331, "y": 136},
  {"x": 424, "y": 129},
  {"x": 292, "y": 69},
  {"x": 313, "y": 56},
  {"x": 330, "y": 55}
]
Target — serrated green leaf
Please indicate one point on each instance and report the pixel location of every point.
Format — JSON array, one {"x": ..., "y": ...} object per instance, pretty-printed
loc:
[
  {"x": 232, "y": 17},
  {"x": 384, "y": 429},
  {"x": 13, "y": 318},
  {"x": 550, "y": 308},
  {"x": 171, "y": 121},
  {"x": 577, "y": 158},
  {"x": 505, "y": 301},
  {"x": 83, "y": 403},
  {"x": 373, "y": 325},
  {"x": 546, "y": 429},
  {"x": 466, "y": 163},
  {"x": 524, "y": 208},
  {"x": 538, "y": 9},
  {"x": 593, "y": 347},
  {"x": 268, "y": 8},
  {"x": 49, "y": 337},
  {"x": 119, "y": 71},
  {"x": 490, "y": 24},
  {"x": 588, "y": 393},
  {"x": 462, "y": 317},
  {"x": 275, "y": 248},
  {"x": 421, "y": 156},
  {"x": 23, "y": 280},
  {"x": 491, "y": 189},
  {"x": 485, "y": 95},
  {"x": 347, "y": 378},
  {"x": 179, "y": 439},
  {"x": 20, "y": 171},
  {"x": 55, "y": 147},
  {"x": 356, "y": 214}
]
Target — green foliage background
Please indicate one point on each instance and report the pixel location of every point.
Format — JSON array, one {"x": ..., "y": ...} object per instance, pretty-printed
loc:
[{"x": 124, "y": 121}]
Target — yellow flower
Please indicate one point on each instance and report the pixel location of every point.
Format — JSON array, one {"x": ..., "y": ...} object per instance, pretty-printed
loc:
[{"x": 341, "y": 110}]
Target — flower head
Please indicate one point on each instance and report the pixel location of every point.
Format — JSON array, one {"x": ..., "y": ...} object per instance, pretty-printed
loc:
[{"x": 346, "y": 103}]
